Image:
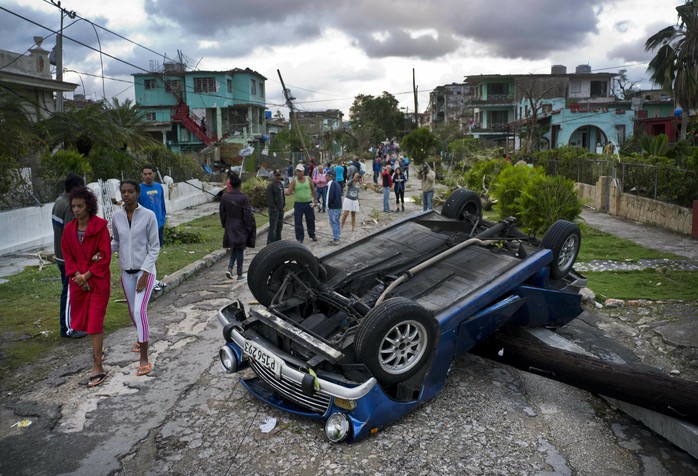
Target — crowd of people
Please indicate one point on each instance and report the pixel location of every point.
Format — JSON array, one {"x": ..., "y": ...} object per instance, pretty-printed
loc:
[{"x": 84, "y": 246}]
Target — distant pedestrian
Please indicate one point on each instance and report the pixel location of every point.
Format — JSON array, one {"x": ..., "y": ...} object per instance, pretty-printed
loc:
[
  {"x": 376, "y": 168},
  {"x": 339, "y": 175},
  {"x": 61, "y": 215},
  {"x": 304, "y": 193},
  {"x": 276, "y": 202},
  {"x": 136, "y": 240},
  {"x": 427, "y": 176},
  {"x": 387, "y": 184},
  {"x": 152, "y": 197},
  {"x": 406, "y": 170},
  {"x": 87, "y": 255},
  {"x": 351, "y": 200},
  {"x": 399, "y": 188},
  {"x": 239, "y": 224},
  {"x": 320, "y": 181},
  {"x": 334, "y": 206}
]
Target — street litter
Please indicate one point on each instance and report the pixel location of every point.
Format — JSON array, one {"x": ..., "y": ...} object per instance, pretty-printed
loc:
[
  {"x": 22, "y": 424},
  {"x": 268, "y": 425}
]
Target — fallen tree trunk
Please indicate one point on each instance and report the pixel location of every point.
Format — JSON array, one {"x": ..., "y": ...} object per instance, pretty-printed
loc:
[{"x": 642, "y": 386}]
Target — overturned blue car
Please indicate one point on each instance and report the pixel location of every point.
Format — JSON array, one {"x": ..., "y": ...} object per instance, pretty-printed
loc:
[{"x": 362, "y": 335}]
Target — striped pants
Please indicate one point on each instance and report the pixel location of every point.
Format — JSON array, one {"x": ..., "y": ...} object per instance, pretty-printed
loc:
[{"x": 138, "y": 302}]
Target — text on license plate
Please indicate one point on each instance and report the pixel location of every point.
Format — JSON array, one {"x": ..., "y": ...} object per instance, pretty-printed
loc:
[{"x": 262, "y": 357}]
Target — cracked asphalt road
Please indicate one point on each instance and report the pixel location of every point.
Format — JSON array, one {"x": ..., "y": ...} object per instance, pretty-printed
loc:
[{"x": 189, "y": 417}]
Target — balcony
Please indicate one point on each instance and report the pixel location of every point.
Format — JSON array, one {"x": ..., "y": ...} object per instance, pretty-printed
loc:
[{"x": 494, "y": 99}]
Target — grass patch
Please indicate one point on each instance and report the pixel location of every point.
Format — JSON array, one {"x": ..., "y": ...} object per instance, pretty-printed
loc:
[
  {"x": 656, "y": 285},
  {"x": 598, "y": 245},
  {"x": 29, "y": 301}
]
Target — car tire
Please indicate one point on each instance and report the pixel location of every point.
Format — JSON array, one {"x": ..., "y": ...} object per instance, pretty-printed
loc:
[
  {"x": 395, "y": 339},
  {"x": 461, "y": 203},
  {"x": 269, "y": 268},
  {"x": 564, "y": 239}
]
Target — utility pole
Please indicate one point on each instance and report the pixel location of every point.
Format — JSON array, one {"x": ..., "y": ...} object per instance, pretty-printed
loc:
[
  {"x": 59, "y": 53},
  {"x": 416, "y": 107},
  {"x": 293, "y": 117}
]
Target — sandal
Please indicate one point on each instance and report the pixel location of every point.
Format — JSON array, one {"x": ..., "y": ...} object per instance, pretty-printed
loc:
[
  {"x": 137, "y": 347},
  {"x": 144, "y": 369},
  {"x": 97, "y": 379}
]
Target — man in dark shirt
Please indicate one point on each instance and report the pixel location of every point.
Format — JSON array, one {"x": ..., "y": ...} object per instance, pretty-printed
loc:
[
  {"x": 276, "y": 201},
  {"x": 61, "y": 215}
]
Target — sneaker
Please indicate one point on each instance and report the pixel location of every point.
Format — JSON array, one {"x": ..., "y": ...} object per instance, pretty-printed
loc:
[
  {"x": 75, "y": 335},
  {"x": 314, "y": 238},
  {"x": 242, "y": 277},
  {"x": 229, "y": 274},
  {"x": 334, "y": 243},
  {"x": 157, "y": 287}
]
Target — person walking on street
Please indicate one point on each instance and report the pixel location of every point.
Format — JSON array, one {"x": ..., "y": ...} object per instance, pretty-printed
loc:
[
  {"x": 136, "y": 239},
  {"x": 427, "y": 176},
  {"x": 303, "y": 190},
  {"x": 399, "y": 188},
  {"x": 320, "y": 182},
  {"x": 339, "y": 174},
  {"x": 152, "y": 197},
  {"x": 376, "y": 168},
  {"x": 240, "y": 226},
  {"x": 87, "y": 254},
  {"x": 334, "y": 206},
  {"x": 276, "y": 202},
  {"x": 387, "y": 183},
  {"x": 351, "y": 200},
  {"x": 61, "y": 215}
]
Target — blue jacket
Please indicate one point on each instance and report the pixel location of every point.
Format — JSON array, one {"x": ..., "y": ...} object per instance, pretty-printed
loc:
[
  {"x": 152, "y": 197},
  {"x": 334, "y": 196}
]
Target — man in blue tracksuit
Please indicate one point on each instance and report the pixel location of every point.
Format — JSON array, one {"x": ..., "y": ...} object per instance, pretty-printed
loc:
[{"x": 152, "y": 197}]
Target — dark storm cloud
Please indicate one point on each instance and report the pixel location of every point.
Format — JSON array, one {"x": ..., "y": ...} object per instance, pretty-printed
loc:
[
  {"x": 383, "y": 28},
  {"x": 634, "y": 51}
]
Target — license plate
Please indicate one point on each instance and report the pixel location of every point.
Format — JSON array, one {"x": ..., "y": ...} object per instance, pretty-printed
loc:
[{"x": 263, "y": 358}]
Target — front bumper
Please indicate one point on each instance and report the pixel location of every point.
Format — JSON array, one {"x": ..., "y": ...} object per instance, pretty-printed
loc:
[{"x": 292, "y": 381}]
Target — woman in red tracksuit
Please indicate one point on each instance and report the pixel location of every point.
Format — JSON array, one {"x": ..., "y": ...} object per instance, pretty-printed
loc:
[{"x": 87, "y": 252}]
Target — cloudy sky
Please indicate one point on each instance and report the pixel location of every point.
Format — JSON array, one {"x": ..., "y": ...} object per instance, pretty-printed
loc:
[{"x": 328, "y": 51}]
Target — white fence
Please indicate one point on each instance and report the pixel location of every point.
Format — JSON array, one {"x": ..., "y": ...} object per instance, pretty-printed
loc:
[{"x": 30, "y": 228}]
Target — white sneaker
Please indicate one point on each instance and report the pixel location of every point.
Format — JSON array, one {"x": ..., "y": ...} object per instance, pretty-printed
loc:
[{"x": 242, "y": 277}]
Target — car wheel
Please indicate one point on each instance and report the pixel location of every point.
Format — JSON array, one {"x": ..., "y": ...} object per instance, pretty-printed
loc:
[
  {"x": 461, "y": 203},
  {"x": 563, "y": 238},
  {"x": 395, "y": 339},
  {"x": 269, "y": 268}
]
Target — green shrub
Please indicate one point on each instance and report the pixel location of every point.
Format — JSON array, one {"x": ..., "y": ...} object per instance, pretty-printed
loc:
[
  {"x": 509, "y": 185},
  {"x": 483, "y": 173},
  {"x": 175, "y": 236},
  {"x": 256, "y": 190},
  {"x": 544, "y": 200}
]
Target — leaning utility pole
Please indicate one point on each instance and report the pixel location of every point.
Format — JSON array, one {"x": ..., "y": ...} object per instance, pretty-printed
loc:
[
  {"x": 293, "y": 117},
  {"x": 416, "y": 107}
]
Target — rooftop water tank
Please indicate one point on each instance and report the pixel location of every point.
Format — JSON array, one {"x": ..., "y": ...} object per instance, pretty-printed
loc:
[
  {"x": 558, "y": 69},
  {"x": 583, "y": 69}
]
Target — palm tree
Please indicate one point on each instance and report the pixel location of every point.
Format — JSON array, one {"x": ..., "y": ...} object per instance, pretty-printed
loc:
[{"x": 675, "y": 65}]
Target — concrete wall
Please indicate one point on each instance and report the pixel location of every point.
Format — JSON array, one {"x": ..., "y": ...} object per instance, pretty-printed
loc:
[
  {"x": 30, "y": 228},
  {"x": 607, "y": 197}
]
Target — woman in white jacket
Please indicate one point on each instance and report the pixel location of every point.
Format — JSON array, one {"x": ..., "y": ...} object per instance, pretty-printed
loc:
[{"x": 135, "y": 231}]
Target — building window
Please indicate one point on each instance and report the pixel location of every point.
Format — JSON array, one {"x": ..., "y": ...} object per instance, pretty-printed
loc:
[
  {"x": 230, "y": 86},
  {"x": 620, "y": 132},
  {"x": 150, "y": 84},
  {"x": 174, "y": 85},
  {"x": 497, "y": 89},
  {"x": 599, "y": 89},
  {"x": 497, "y": 118},
  {"x": 261, "y": 90},
  {"x": 253, "y": 87},
  {"x": 149, "y": 116},
  {"x": 205, "y": 85}
]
